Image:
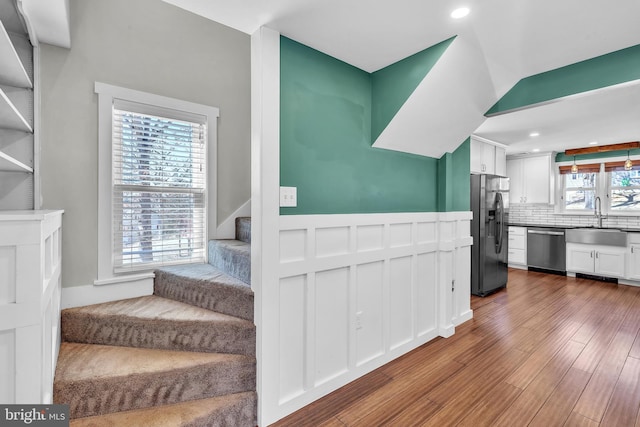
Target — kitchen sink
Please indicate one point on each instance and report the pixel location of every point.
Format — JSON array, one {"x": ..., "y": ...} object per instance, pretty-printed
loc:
[{"x": 596, "y": 236}]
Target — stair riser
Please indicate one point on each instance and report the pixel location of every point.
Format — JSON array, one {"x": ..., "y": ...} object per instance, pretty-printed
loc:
[
  {"x": 243, "y": 229},
  {"x": 102, "y": 396},
  {"x": 232, "y": 261},
  {"x": 205, "y": 294},
  {"x": 161, "y": 334},
  {"x": 229, "y": 411}
]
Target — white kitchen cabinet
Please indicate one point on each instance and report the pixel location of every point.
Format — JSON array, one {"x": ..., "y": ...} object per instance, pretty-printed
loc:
[
  {"x": 633, "y": 256},
  {"x": 600, "y": 260},
  {"x": 487, "y": 158},
  {"x": 517, "y": 247},
  {"x": 530, "y": 179},
  {"x": 501, "y": 161}
]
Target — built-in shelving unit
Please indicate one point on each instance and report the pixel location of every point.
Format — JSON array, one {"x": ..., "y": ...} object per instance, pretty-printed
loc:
[
  {"x": 17, "y": 174},
  {"x": 12, "y": 72},
  {"x": 9, "y": 164}
]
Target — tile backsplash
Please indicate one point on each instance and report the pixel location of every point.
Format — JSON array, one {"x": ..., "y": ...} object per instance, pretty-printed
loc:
[{"x": 545, "y": 215}]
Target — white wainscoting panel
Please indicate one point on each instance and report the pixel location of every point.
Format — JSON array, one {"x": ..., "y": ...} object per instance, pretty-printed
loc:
[
  {"x": 427, "y": 293},
  {"x": 292, "y": 336},
  {"x": 369, "y": 327},
  {"x": 370, "y": 237},
  {"x": 331, "y": 324},
  {"x": 400, "y": 301},
  {"x": 30, "y": 284},
  {"x": 357, "y": 291}
]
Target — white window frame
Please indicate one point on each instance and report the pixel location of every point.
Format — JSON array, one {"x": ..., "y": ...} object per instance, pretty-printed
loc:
[
  {"x": 106, "y": 96},
  {"x": 603, "y": 189},
  {"x": 562, "y": 187},
  {"x": 609, "y": 189}
]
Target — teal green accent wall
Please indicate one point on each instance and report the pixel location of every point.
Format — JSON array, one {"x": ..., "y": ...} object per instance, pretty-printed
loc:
[
  {"x": 461, "y": 183},
  {"x": 325, "y": 143},
  {"x": 561, "y": 157},
  {"x": 445, "y": 171},
  {"x": 393, "y": 85},
  {"x": 453, "y": 179},
  {"x": 606, "y": 70}
]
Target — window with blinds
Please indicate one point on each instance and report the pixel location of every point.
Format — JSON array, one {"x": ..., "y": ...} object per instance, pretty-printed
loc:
[{"x": 159, "y": 186}]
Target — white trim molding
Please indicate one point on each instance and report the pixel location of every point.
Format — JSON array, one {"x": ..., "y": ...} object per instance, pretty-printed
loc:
[{"x": 106, "y": 275}]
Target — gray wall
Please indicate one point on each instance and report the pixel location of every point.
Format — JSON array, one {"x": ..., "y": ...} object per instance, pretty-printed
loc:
[{"x": 146, "y": 45}]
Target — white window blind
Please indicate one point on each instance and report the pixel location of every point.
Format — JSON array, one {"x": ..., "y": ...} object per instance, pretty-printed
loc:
[{"x": 159, "y": 186}]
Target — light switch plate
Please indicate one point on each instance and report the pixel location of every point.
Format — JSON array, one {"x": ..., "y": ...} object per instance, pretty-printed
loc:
[{"x": 288, "y": 197}]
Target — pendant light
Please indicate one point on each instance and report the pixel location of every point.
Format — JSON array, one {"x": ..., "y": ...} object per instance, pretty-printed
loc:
[
  {"x": 628, "y": 164},
  {"x": 574, "y": 167}
]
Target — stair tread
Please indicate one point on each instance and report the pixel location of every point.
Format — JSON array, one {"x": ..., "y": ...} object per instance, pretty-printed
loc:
[
  {"x": 192, "y": 413},
  {"x": 205, "y": 286},
  {"x": 79, "y": 361},
  {"x": 155, "y": 322},
  {"x": 152, "y": 307},
  {"x": 232, "y": 257},
  {"x": 207, "y": 273}
]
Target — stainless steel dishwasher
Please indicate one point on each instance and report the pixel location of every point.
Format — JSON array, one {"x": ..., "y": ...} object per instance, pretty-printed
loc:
[{"x": 546, "y": 249}]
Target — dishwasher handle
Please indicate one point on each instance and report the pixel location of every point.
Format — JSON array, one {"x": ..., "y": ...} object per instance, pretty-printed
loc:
[{"x": 547, "y": 233}]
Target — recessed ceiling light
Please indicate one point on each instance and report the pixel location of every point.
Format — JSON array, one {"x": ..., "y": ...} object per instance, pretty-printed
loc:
[
  {"x": 461, "y": 12},
  {"x": 534, "y": 134},
  {"x": 593, "y": 143},
  {"x": 535, "y": 150}
]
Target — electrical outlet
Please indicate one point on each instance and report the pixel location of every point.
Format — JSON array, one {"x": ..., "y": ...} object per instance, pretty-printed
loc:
[
  {"x": 288, "y": 197},
  {"x": 359, "y": 320}
]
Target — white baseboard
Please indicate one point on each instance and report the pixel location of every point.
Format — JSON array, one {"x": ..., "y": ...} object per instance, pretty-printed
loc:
[
  {"x": 463, "y": 317},
  {"x": 227, "y": 229},
  {"x": 78, "y": 296}
]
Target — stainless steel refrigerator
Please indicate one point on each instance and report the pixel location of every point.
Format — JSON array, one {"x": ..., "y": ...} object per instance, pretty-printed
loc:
[{"x": 489, "y": 228}]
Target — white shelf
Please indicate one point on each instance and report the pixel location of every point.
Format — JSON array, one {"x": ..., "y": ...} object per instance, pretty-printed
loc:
[
  {"x": 12, "y": 72},
  {"x": 9, "y": 164},
  {"x": 10, "y": 117}
]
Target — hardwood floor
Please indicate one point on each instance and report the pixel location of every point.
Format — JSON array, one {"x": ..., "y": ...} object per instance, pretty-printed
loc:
[{"x": 547, "y": 351}]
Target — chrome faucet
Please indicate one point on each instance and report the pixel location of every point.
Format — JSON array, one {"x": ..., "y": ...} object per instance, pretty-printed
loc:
[{"x": 598, "y": 211}]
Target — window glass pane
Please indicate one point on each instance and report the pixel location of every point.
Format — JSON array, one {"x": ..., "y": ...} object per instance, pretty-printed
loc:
[
  {"x": 625, "y": 178},
  {"x": 579, "y": 199},
  {"x": 625, "y": 199},
  {"x": 580, "y": 180},
  {"x": 158, "y": 190}
]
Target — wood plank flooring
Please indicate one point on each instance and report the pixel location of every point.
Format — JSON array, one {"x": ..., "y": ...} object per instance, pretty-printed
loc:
[{"x": 547, "y": 351}]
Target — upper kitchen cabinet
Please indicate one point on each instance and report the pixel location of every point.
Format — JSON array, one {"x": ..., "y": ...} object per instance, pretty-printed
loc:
[
  {"x": 487, "y": 157},
  {"x": 530, "y": 179}
]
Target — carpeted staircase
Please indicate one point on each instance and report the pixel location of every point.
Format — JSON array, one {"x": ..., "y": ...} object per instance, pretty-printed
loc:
[{"x": 184, "y": 356}]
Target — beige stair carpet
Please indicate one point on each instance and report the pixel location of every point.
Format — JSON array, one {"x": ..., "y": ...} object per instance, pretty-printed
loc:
[
  {"x": 155, "y": 322},
  {"x": 233, "y": 410}
]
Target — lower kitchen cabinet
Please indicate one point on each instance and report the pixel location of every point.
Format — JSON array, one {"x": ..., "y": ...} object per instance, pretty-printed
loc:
[
  {"x": 594, "y": 259},
  {"x": 518, "y": 247},
  {"x": 633, "y": 270}
]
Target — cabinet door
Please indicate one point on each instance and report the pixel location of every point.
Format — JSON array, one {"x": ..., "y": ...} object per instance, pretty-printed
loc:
[
  {"x": 489, "y": 158},
  {"x": 501, "y": 161},
  {"x": 610, "y": 261},
  {"x": 633, "y": 270},
  {"x": 580, "y": 258},
  {"x": 514, "y": 173},
  {"x": 536, "y": 171},
  {"x": 476, "y": 154}
]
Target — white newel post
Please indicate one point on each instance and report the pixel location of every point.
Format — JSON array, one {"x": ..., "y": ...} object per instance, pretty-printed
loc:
[{"x": 30, "y": 285}]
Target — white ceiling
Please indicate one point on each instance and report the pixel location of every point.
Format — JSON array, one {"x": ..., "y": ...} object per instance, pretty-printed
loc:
[{"x": 516, "y": 38}]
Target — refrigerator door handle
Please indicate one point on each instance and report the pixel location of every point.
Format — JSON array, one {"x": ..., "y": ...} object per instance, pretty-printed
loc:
[{"x": 500, "y": 224}]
